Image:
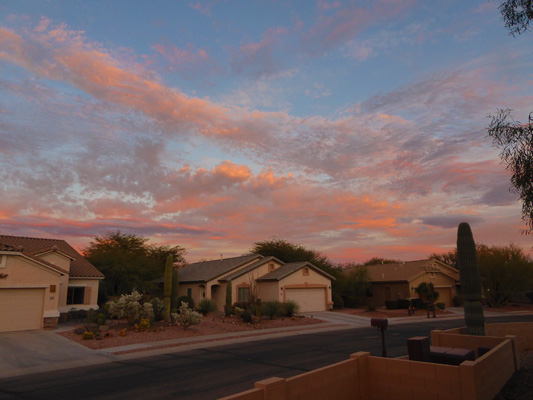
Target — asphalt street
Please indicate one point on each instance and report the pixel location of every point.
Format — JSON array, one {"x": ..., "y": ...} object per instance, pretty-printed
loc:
[{"x": 217, "y": 371}]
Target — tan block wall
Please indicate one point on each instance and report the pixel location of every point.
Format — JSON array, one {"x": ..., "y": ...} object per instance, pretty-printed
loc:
[
  {"x": 522, "y": 330},
  {"x": 252, "y": 394},
  {"x": 23, "y": 273},
  {"x": 445, "y": 339}
]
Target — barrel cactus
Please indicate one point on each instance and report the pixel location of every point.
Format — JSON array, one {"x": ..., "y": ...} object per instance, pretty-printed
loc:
[{"x": 470, "y": 280}]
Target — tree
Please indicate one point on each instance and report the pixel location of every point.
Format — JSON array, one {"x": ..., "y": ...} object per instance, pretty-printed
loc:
[
  {"x": 449, "y": 258},
  {"x": 504, "y": 270},
  {"x": 352, "y": 283},
  {"x": 129, "y": 262},
  {"x": 379, "y": 260},
  {"x": 517, "y": 14},
  {"x": 514, "y": 139},
  {"x": 289, "y": 252}
]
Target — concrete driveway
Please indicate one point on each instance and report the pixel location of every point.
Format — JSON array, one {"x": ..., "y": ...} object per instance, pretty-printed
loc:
[{"x": 28, "y": 352}]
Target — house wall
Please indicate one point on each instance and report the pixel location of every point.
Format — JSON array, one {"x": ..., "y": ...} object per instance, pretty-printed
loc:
[
  {"x": 248, "y": 280},
  {"x": 442, "y": 283},
  {"x": 23, "y": 273},
  {"x": 57, "y": 259},
  {"x": 299, "y": 280},
  {"x": 380, "y": 291},
  {"x": 91, "y": 294},
  {"x": 198, "y": 290},
  {"x": 270, "y": 291}
]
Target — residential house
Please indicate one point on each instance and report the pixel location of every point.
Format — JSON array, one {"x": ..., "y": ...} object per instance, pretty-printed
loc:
[
  {"x": 41, "y": 279},
  {"x": 257, "y": 276},
  {"x": 399, "y": 280}
]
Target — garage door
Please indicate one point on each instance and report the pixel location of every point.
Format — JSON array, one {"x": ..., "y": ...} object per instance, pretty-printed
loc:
[
  {"x": 309, "y": 299},
  {"x": 21, "y": 309}
]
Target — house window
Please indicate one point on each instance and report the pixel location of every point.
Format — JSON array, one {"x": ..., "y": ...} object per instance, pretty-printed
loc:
[
  {"x": 305, "y": 271},
  {"x": 75, "y": 295},
  {"x": 189, "y": 293},
  {"x": 271, "y": 267},
  {"x": 52, "y": 288},
  {"x": 244, "y": 295}
]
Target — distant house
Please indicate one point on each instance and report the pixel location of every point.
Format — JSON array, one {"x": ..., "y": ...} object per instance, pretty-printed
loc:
[
  {"x": 399, "y": 280},
  {"x": 266, "y": 278},
  {"x": 41, "y": 279}
]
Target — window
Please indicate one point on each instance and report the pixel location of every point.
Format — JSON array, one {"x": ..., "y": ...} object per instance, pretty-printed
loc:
[
  {"x": 75, "y": 295},
  {"x": 244, "y": 295},
  {"x": 305, "y": 271},
  {"x": 189, "y": 293},
  {"x": 271, "y": 267},
  {"x": 52, "y": 288}
]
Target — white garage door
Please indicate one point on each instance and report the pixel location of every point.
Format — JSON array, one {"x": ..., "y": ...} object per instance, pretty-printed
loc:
[
  {"x": 21, "y": 309},
  {"x": 309, "y": 299}
]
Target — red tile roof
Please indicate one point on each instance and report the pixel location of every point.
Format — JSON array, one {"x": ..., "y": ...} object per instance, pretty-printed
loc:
[{"x": 31, "y": 247}]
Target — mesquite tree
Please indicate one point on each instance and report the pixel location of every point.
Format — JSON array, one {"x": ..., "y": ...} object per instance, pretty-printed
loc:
[{"x": 470, "y": 280}]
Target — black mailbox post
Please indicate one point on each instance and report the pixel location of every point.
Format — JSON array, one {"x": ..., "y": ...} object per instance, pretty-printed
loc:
[{"x": 381, "y": 324}]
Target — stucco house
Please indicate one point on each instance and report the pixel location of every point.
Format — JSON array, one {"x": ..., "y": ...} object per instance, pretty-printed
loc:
[
  {"x": 40, "y": 279},
  {"x": 266, "y": 278},
  {"x": 399, "y": 280}
]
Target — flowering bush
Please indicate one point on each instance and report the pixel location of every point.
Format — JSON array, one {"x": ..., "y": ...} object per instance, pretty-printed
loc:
[
  {"x": 187, "y": 316},
  {"x": 128, "y": 306}
]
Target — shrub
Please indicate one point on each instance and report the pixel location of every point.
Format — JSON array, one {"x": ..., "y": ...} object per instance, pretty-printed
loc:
[
  {"x": 91, "y": 316},
  {"x": 187, "y": 316},
  {"x": 418, "y": 304},
  {"x": 185, "y": 299},
  {"x": 246, "y": 316},
  {"x": 127, "y": 306},
  {"x": 529, "y": 295},
  {"x": 238, "y": 311},
  {"x": 100, "y": 319},
  {"x": 289, "y": 308},
  {"x": 458, "y": 301},
  {"x": 88, "y": 335},
  {"x": 371, "y": 307},
  {"x": 441, "y": 306},
  {"x": 158, "y": 309},
  {"x": 144, "y": 324},
  {"x": 147, "y": 312},
  {"x": 338, "y": 302},
  {"x": 207, "y": 306},
  {"x": 391, "y": 304},
  {"x": 351, "y": 301},
  {"x": 241, "y": 304},
  {"x": 271, "y": 308},
  {"x": 403, "y": 304}
]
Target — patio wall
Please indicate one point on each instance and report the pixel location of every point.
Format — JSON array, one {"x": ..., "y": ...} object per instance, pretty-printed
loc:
[{"x": 365, "y": 377}]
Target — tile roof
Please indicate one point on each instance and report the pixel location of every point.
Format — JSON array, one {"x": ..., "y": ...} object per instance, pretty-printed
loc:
[
  {"x": 409, "y": 270},
  {"x": 207, "y": 270},
  {"x": 287, "y": 269},
  {"x": 251, "y": 267},
  {"x": 31, "y": 247}
]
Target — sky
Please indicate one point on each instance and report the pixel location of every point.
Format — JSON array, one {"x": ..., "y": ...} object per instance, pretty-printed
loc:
[{"x": 357, "y": 129}]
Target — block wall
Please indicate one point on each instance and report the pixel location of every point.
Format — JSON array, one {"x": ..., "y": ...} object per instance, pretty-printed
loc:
[{"x": 522, "y": 330}]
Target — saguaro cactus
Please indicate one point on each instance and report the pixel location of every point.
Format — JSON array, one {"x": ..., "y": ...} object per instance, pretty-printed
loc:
[
  {"x": 229, "y": 296},
  {"x": 167, "y": 286},
  {"x": 174, "y": 293},
  {"x": 470, "y": 280}
]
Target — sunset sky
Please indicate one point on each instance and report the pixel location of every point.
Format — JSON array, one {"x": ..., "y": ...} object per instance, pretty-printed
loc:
[{"x": 357, "y": 129}]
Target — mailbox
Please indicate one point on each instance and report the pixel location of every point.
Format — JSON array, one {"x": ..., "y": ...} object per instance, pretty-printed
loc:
[{"x": 379, "y": 323}]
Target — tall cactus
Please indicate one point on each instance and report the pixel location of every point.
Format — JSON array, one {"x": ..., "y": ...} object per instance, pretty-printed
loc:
[
  {"x": 229, "y": 297},
  {"x": 167, "y": 286},
  {"x": 470, "y": 280},
  {"x": 174, "y": 292}
]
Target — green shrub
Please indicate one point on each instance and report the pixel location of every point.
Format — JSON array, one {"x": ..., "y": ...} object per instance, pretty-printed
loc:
[
  {"x": 158, "y": 308},
  {"x": 391, "y": 304},
  {"x": 418, "y": 304},
  {"x": 371, "y": 307},
  {"x": 271, "y": 308},
  {"x": 441, "y": 306},
  {"x": 147, "y": 311},
  {"x": 144, "y": 324},
  {"x": 187, "y": 316},
  {"x": 289, "y": 308},
  {"x": 237, "y": 311},
  {"x": 246, "y": 316},
  {"x": 338, "y": 302},
  {"x": 100, "y": 319},
  {"x": 351, "y": 301},
  {"x": 88, "y": 335},
  {"x": 127, "y": 306},
  {"x": 241, "y": 304},
  {"x": 91, "y": 316},
  {"x": 207, "y": 306},
  {"x": 185, "y": 299},
  {"x": 403, "y": 304}
]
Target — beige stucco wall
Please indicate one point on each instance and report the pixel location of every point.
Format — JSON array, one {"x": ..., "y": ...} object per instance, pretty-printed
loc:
[
  {"x": 297, "y": 279},
  {"x": 379, "y": 293},
  {"x": 248, "y": 279},
  {"x": 57, "y": 259},
  {"x": 198, "y": 290},
  {"x": 91, "y": 284},
  {"x": 24, "y": 273},
  {"x": 270, "y": 291},
  {"x": 442, "y": 283}
]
